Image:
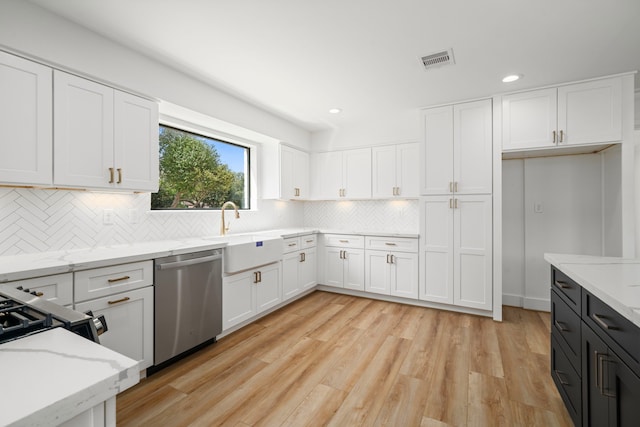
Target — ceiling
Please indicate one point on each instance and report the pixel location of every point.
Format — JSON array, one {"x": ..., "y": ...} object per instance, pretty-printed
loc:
[{"x": 299, "y": 58}]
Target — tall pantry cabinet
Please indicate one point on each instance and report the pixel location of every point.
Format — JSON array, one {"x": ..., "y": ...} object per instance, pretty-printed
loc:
[{"x": 456, "y": 255}]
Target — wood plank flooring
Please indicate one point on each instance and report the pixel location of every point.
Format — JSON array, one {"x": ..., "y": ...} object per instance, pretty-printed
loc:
[{"x": 336, "y": 360}]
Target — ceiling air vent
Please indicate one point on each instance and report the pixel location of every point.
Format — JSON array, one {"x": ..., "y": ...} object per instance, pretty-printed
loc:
[{"x": 438, "y": 59}]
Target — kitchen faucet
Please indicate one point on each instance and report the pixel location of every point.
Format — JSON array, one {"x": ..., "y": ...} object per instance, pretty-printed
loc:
[{"x": 223, "y": 229}]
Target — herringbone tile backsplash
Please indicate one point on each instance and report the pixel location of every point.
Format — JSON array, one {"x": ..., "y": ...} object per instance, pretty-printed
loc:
[{"x": 34, "y": 221}]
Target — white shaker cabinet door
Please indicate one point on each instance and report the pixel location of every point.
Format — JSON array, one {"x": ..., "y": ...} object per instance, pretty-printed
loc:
[
  {"x": 529, "y": 119},
  {"x": 407, "y": 165},
  {"x": 136, "y": 143},
  {"x": 354, "y": 269},
  {"x": 334, "y": 267},
  {"x": 307, "y": 270},
  {"x": 384, "y": 171},
  {"x": 404, "y": 275},
  {"x": 473, "y": 147},
  {"x": 356, "y": 173},
  {"x": 437, "y": 151},
  {"x": 327, "y": 175},
  {"x": 238, "y": 299},
  {"x": 26, "y": 149},
  {"x": 377, "y": 272},
  {"x": 268, "y": 288},
  {"x": 290, "y": 279},
  {"x": 590, "y": 112},
  {"x": 473, "y": 261},
  {"x": 83, "y": 132},
  {"x": 436, "y": 276},
  {"x": 129, "y": 317}
]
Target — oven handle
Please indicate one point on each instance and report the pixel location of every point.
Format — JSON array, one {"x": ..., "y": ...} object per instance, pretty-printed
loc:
[{"x": 185, "y": 263}]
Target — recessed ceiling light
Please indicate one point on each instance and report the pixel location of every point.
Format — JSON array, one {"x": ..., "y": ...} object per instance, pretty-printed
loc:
[
  {"x": 511, "y": 78},
  {"x": 335, "y": 111}
]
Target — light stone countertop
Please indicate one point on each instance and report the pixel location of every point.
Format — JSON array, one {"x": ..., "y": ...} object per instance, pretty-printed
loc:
[
  {"x": 616, "y": 281},
  {"x": 50, "y": 377},
  {"x": 25, "y": 266}
]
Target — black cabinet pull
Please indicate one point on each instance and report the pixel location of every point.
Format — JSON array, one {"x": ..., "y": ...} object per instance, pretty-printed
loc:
[
  {"x": 561, "y": 326},
  {"x": 560, "y": 374},
  {"x": 600, "y": 319}
]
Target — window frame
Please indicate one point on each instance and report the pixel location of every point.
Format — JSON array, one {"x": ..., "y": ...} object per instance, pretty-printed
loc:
[{"x": 205, "y": 132}]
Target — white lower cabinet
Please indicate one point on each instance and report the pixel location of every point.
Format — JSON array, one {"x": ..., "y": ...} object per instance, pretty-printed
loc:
[
  {"x": 456, "y": 250},
  {"x": 392, "y": 272},
  {"x": 344, "y": 261},
  {"x": 299, "y": 264},
  {"x": 57, "y": 288},
  {"x": 124, "y": 295},
  {"x": 129, "y": 317},
  {"x": 249, "y": 293}
]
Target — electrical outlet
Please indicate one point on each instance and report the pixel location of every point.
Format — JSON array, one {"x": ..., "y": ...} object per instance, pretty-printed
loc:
[
  {"x": 133, "y": 216},
  {"x": 108, "y": 216},
  {"x": 538, "y": 207}
]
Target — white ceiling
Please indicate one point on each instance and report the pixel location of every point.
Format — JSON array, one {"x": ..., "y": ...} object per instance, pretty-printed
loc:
[{"x": 298, "y": 58}]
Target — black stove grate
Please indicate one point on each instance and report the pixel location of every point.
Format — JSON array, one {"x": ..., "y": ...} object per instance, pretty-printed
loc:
[{"x": 18, "y": 320}]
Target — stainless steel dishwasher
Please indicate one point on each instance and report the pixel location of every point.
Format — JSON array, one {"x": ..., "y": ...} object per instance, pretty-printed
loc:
[{"x": 187, "y": 304}]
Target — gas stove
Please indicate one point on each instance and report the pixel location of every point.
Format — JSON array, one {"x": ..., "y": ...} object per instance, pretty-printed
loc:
[{"x": 23, "y": 314}]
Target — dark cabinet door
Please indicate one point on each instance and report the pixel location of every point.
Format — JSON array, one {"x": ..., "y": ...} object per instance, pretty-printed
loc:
[
  {"x": 626, "y": 403},
  {"x": 610, "y": 389},
  {"x": 595, "y": 387}
]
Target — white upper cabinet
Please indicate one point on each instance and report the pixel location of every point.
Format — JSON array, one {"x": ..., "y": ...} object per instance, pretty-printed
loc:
[
  {"x": 395, "y": 170},
  {"x": 294, "y": 173},
  {"x": 457, "y": 149},
  {"x": 103, "y": 138},
  {"x": 25, "y": 122},
  {"x": 136, "y": 142},
  {"x": 581, "y": 113},
  {"x": 342, "y": 174},
  {"x": 285, "y": 173}
]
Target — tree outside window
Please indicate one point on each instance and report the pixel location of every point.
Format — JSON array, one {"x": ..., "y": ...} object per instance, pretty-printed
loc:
[{"x": 198, "y": 172}]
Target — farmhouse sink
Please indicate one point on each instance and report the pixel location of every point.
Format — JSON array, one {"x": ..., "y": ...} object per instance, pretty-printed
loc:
[{"x": 248, "y": 251}]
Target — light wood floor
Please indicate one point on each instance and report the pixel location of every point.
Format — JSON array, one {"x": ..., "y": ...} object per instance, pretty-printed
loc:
[{"x": 331, "y": 359}]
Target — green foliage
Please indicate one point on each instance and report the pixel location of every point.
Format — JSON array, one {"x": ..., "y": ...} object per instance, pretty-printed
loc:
[{"x": 192, "y": 176}]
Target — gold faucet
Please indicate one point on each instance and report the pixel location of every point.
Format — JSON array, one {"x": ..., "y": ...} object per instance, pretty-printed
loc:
[{"x": 223, "y": 229}]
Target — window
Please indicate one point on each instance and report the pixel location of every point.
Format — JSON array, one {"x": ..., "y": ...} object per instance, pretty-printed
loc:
[{"x": 198, "y": 172}]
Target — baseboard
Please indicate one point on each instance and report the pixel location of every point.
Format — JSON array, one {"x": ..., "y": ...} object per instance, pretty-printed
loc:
[
  {"x": 513, "y": 300},
  {"x": 537, "y": 304}
]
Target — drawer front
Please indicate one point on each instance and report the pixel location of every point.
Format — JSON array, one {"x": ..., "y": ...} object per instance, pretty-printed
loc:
[
  {"x": 569, "y": 290},
  {"x": 567, "y": 381},
  {"x": 344, "y": 241},
  {"x": 57, "y": 288},
  {"x": 619, "y": 333},
  {"x": 565, "y": 326},
  {"x": 101, "y": 282},
  {"x": 291, "y": 244},
  {"x": 396, "y": 244},
  {"x": 308, "y": 241}
]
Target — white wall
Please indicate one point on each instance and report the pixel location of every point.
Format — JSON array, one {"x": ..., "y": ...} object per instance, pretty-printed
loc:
[
  {"x": 568, "y": 193},
  {"x": 28, "y": 29},
  {"x": 396, "y": 129}
]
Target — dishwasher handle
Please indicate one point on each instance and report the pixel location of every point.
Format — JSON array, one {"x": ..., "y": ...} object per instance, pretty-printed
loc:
[{"x": 187, "y": 262}]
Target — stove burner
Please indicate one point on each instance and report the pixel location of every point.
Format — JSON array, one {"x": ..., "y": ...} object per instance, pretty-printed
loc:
[{"x": 18, "y": 320}]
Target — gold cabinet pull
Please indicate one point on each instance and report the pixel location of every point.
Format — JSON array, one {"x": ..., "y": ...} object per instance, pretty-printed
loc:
[
  {"x": 303, "y": 257},
  {"x": 119, "y": 176},
  {"x": 390, "y": 244},
  {"x": 455, "y": 203},
  {"x": 561, "y": 136},
  {"x": 554, "y": 136},
  {"x": 118, "y": 300},
  {"x": 343, "y": 241},
  {"x": 110, "y": 175},
  {"x": 39, "y": 294},
  {"x": 450, "y": 203},
  {"x": 292, "y": 244},
  {"x": 559, "y": 375},
  {"x": 119, "y": 279},
  {"x": 561, "y": 284},
  {"x": 455, "y": 187}
]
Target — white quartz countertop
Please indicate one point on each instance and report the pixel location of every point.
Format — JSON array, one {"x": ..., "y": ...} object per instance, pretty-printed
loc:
[
  {"x": 17, "y": 267},
  {"x": 50, "y": 377},
  {"x": 616, "y": 281}
]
